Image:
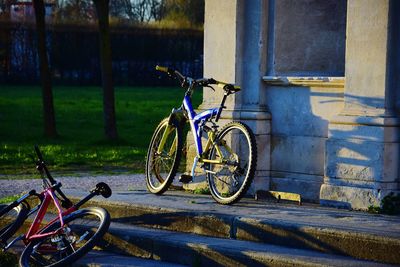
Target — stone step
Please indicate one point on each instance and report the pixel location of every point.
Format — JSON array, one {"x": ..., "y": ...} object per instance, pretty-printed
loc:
[
  {"x": 128, "y": 245},
  {"x": 197, "y": 250},
  {"x": 96, "y": 257},
  {"x": 337, "y": 232},
  {"x": 109, "y": 259}
]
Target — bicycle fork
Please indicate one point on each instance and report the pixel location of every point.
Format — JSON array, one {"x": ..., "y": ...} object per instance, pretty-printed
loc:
[{"x": 163, "y": 140}]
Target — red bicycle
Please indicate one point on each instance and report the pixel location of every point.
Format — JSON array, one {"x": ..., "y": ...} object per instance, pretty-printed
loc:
[{"x": 64, "y": 238}]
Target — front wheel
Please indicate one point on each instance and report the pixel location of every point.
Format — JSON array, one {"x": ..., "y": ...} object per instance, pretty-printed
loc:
[
  {"x": 234, "y": 157},
  {"x": 163, "y": 156},
  {"x": 81, "y": 231}
]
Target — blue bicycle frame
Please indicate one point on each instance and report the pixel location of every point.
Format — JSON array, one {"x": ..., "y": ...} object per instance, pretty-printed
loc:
[
  {"x": 227, "y": 154},
  {"x": 195, "y": 120}
]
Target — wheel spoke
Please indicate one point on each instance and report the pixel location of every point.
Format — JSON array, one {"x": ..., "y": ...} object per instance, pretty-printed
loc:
[
  {"x": 229, "y": 181},
  {"x": 162, "y": 166},
  {"x": 82, "y": 229}
]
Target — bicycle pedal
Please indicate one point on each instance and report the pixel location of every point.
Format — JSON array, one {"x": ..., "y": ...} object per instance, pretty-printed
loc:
[{"x": 184, "y": 178}]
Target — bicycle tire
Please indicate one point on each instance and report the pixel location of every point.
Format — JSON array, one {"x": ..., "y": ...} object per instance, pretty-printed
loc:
[
  {"x": 158, "y": 180},
  {"x": 39, "y": 251},
  {"x": 11, "y": 219},
  {"x": 230, "y": 187}
]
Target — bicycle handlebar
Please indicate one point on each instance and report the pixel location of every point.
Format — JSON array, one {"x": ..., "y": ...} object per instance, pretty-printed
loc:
[
  {"x": 38, "y": 153},
  {"x": 171, "y": 72},
  {"x": 41, "y": 166},
  {"x": 163, "y": 69},
  {"x": 227, "y": 87}
]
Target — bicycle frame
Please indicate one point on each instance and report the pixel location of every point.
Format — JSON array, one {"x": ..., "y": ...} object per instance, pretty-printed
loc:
[
  {"x": 48, "y": 197},
  {"x": 51, "y": 194},
  {"x": 227, "y": 154},
  {"x": 195, "y": 119}
]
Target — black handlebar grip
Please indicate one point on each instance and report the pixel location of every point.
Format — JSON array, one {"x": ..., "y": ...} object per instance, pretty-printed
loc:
[
  {"x": 169, "y": 71},
  {"x": 163, "y": 69},
  {"x": 38, "y": 153}
]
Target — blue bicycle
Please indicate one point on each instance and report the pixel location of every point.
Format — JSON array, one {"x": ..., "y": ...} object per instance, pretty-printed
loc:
[{"x": 228, "y": 157}]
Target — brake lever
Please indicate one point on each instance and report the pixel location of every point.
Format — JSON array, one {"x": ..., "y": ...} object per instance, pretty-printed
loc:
[
  {"x": 209, "y": 86},
  {"x": 184, "y": 82}
]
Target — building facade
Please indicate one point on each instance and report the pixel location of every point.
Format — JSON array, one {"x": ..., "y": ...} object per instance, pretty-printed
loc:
[{"x": 320, "y": 89}]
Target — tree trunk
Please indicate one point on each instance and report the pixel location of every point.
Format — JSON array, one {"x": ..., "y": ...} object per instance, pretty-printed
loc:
[
  {"x": 45, "y": 75},
  {"x": 110, "y": 127}
]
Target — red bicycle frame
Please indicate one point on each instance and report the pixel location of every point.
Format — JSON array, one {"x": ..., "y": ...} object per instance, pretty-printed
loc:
[
  {"x": 51, "y": 193},
  {"x": 47, "y": 197}
]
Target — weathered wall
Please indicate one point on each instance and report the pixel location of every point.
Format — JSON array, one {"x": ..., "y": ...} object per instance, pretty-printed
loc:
[
  {"x": 235, "y": 49},
  {"x": 362, "y": 159},
  {"x": 308, "y": 37},
  {"x": 300, "y": 118},
  {"x": 331, "y": 139}
]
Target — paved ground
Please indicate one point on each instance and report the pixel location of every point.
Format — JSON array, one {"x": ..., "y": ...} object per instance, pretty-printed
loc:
[
  {"x": 306, "y": 214},
  {"x": 129, "y": 191},
  {"x": 126, "y": 182},
  {"x": 131, "y": 188}
]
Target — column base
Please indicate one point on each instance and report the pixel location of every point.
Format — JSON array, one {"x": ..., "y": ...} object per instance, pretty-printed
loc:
[
  {"x": 355, "y": 198},
  {"x": 361, "y": 163}
]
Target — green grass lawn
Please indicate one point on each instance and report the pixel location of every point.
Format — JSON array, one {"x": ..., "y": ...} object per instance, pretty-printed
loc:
[{"x": 81, "y": 145}]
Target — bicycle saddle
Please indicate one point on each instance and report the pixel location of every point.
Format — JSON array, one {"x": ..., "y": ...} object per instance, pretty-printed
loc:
[
  {"x": 228, "y": 88},
  {"x": 103, "y": 189}
]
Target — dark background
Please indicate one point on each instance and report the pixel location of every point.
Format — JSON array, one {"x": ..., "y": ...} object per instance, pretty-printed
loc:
[{"x": 74, "y": 54}]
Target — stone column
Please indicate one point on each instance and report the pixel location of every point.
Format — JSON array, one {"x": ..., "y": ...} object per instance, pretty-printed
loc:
[
  {"x": 362, "y": 151},
  {"x": 235, "y": 50}
]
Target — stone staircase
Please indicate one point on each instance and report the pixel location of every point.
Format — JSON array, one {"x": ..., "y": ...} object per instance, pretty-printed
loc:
[{"x": 189, "y": 229}]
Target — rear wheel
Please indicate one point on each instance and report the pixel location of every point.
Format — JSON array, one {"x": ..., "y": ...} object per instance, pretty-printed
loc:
[
  {"x": 82, "y": 230},
  {"x": 11, "y": 219},
  {"x": 235, "y": 149},
  {"x": 162, "y": 162}
]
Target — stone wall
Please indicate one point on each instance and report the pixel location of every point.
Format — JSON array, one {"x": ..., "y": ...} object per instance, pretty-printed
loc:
[
  {"x": 306, "y": 40},
  {"x": 309, "y": 37},
  {"x": 300, "y": 116},
  {"x": 362, "y": 160},
  {"x": 319, "y": 88}
]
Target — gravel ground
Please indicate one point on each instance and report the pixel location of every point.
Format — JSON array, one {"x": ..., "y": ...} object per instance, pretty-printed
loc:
[{"x": 117, "y": 182}]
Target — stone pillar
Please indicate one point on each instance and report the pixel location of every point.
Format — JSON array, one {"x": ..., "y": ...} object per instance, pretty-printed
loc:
[
  {"x": 235, "y": 50},
  {"x": 362, "y": 151},
  {"x": 250, "y": 104}
]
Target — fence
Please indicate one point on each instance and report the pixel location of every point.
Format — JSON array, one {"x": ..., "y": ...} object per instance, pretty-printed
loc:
[{"x": 74, "y": 54}]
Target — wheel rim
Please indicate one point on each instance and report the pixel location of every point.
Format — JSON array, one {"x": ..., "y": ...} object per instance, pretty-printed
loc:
[
  {"x": 7, "y": 219},
  {"x": 11, "y": 221},
  {"x": 71, "y": 238},
  {"x": 161, "y": 164},
  {"x": 226, "y": 181}
]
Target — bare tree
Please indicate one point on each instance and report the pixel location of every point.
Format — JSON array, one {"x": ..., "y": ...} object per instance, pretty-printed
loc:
[
  {"x": 110, "y": 127},
  {"x": 136, "y": 10},
  {"x": 74, "y": 11},
  {"x": 189, "y": 11},
  {"x": 147, "y": 10},
  {"x": 45, "y": 75},
  {"x": 122, "y": 9}
]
